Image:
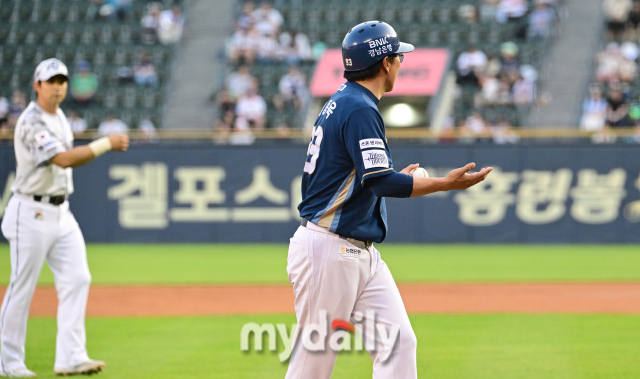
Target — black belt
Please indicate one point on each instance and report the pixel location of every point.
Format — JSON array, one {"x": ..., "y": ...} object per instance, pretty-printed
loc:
[
  {"x": 304, "y": 223},
  {"x": 55, "y": 200}
]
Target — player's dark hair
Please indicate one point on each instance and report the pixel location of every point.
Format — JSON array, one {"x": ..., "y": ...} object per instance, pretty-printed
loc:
[{"x": 367, "y": 73}]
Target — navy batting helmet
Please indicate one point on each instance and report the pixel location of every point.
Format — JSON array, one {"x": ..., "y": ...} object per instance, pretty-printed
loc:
[{"x": 369, "y": 42}]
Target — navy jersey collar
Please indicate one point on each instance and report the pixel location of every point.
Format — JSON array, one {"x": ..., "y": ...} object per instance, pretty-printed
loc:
[{"x": 365, "y": 90}]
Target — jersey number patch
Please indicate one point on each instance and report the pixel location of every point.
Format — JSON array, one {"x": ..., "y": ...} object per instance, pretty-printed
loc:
[{"x": 314, "y": 150}]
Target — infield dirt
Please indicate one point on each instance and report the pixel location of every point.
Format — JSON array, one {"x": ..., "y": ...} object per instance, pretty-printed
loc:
[{"x": 569, "y": 298}]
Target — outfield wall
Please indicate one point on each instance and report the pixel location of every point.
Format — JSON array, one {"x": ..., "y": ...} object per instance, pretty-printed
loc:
[{"x": 183, "y": 193}]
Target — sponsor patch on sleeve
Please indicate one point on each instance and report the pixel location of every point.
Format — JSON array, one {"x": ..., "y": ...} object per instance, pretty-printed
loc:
[
  {"x": 375, "y": 158},
  {"x": 371, "y": 142}
]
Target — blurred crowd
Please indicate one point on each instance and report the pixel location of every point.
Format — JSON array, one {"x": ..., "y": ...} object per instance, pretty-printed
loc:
[
  {"x": 259, "y": 40},
  {"x": 612, "y": 101},
  {"x": 500, "y": 81},
  {"x": 160, "y": 26}
]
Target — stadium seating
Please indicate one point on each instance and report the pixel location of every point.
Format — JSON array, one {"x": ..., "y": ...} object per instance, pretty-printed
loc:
[
  {"x": 33, "y": 30},
  {"x": 424, "y": 23}
]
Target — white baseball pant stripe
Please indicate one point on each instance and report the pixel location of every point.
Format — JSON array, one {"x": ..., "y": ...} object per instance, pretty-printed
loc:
[
  {"x": 324, "y": 278},
  {"x": 37, "y": 232}
]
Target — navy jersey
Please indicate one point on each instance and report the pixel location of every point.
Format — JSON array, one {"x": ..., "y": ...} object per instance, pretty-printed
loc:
[{"x": 348, "y": 147}]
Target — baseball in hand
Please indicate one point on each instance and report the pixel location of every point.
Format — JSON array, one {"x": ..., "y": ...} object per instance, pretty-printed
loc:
[{"x": 420, "y": 173}]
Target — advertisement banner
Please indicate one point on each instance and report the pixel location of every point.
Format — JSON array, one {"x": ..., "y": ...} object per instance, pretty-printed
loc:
[
  {"x": 421, "y": 74},
  {"x": 537, "y": 194}
]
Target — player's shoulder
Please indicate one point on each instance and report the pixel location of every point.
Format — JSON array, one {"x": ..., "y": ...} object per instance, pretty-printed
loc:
[
  {"x": 31, "y": 116},
  {"x": 352, "y": 101},
  {"x": 353, "y": 94}
]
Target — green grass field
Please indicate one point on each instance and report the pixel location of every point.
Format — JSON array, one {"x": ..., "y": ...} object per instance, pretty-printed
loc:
[
  {"x": 167, "y": 264},
  {"x": 470, "y": 347},
  {"x": 450, "y": 346}
]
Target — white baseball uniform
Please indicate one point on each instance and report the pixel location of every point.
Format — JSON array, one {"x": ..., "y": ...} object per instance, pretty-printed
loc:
[
  {"x": 332, "y": 263},
  {"x": 327, "y": 277},
  {"x": 39, "y": 226}
]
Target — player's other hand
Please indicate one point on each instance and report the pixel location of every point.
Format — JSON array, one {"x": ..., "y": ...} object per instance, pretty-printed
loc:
[
  {"x": 460, "y": 178},
  {"x": 119, "y": 142}
]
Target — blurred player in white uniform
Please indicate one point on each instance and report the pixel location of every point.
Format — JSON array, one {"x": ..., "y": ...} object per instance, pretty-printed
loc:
[{"x": 40, "y": 226}]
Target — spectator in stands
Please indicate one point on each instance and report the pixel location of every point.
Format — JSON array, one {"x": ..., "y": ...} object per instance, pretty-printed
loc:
[
  {"x": 144, "y": 71},
  {"x": 245, "y": 21},
  {"x": 171, "y": 25},
  {"x": 226, "y": 109},
  {"x": 266, "y": 13},
  {"x": 267, "y": 49},
  {"x": 608, "y": 63},
  {"x": 293, "y": 92},
  {"x": 470, "y": 63},
  {"x": 541, "y": 20},
  {"x": 503, "y": 133},
  {"x": 18, "y": 104},
  {"x": 476, "y": 125},
  {"x": 78, "y": 124},
  {"x": 4, "y": 114},
  {"x": 511, "y": 10},
  {"x": 594, "y": 110},
  {"x": 509, "y": 58},
  {"x": 151, "y": 23},
  {"x": 490, "y": 91},
  {"x": 114, "y": 9},
  {"x": 250, "y": 111},
  {"x": 524, "y": 88},
  {"x": 504, "y": 91},
  {"x": 468, "y": 13},
  {"x": 617, "y": 109},
  {"x": 242, "y": 46},
  {"x": 633, "y": 25},
  {"x": 112, "y": 125},
  {"x": 295, "y": 47},
  {"x": 84, "y": 84},
  {"x": 488, "y": 10},
  {"x": 238, "y": 83},
  {"x": 616, "y": 15},
  {"x": 523, "y": 91},
  {"x": 627, "y": 66},
  {"x": 148, "y": 130}
]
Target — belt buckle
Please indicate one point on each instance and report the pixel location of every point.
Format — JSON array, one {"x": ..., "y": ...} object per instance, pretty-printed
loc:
[{"x": 56, "y": 200}]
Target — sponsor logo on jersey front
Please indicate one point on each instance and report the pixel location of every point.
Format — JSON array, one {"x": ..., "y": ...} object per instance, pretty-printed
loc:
[
  {"x": 371, "y": 142},
  {"x": 375, "y": 158}
]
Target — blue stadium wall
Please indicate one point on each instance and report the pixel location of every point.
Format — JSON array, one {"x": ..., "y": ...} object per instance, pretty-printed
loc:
[{"x": 183, "y": 193}]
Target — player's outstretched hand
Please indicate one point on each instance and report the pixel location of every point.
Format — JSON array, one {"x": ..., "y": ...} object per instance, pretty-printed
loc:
[
  {"x": 459, "y": 178},
  {"x": 119, "y": 142}
]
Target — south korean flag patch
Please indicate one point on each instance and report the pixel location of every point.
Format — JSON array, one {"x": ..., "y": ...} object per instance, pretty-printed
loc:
[{"x": 44, "y": 140}]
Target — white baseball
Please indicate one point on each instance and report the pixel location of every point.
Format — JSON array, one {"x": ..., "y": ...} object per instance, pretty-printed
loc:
[{"x": 420, "y": 173}]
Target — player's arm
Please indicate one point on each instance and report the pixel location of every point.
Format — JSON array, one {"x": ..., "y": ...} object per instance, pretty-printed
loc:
[
  {"x": 457, "y": 179},
  {"x": 82, "y": 155}
]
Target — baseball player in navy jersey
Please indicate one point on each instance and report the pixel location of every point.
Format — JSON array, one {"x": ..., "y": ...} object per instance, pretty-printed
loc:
[
  {"x": 39, "y": 227},
  {"x": 332, "y": 263}
]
